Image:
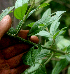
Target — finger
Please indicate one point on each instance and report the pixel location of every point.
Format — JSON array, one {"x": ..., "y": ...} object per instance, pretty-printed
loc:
[
  {"x": 7, "y": 41},
  {"x": 23, "y": 34},
  {"x": 19, "y": 69},
  {"x": 15, "y": 50},
  {"x": 34, "y": 39},
  {"x": 15, "y": 61},
  {"x": 5, "y": 24}
]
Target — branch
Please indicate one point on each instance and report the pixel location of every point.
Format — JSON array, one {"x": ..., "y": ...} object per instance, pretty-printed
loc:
[
  {"x": 58, "y": 51},
  {"x": 49, "y": 59},
  {"x": 29, "y": 10}
]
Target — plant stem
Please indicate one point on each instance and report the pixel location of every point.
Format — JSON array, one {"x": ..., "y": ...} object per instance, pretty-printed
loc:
[
  {"x": 48, "y": 59},
  {"x": 29, "y": 10},
  {"x": 34, "y": 44},
  {"x": 58, "y": 51},
  {"x": 23, "y": 40}
]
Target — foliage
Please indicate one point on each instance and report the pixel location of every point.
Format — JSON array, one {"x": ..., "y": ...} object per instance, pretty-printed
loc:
[{"x": 55, "y": 46}]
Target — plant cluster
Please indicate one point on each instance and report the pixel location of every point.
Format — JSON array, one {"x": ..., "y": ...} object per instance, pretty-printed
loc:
[{"x": 55, "y": 46}]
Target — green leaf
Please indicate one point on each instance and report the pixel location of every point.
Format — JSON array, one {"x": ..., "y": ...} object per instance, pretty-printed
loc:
[
  {"x": 48, "y": 44},
  {"x": 60, "y": 66},
  {"x": 5, "y": 12},
  {"x": 44, "y": 20},
  {"x": 62, "y": 42},
  {"x": 39, "y": 68},
  {"x": 67, "y": 57},
  {"x": 68, "y": 70},
  {"x": 54, "y": 27},
  {"x": 31, "y": 24},
  {"x": 68, "y": 49},
  {"x": 34, "y": 55},
  {"x": 44, "y": 33},
  {"x": 59, "y": 32},
  {"x": 12, "y": 31},
  {"x": 20, "y": 11},
  {"x": 47, "y": 14},
  {"x": 19, "y": 3},
  {"x": 56, "y": 15},
  {"x": 42, "y": 5},
  {"x": 54, "y": 19}
]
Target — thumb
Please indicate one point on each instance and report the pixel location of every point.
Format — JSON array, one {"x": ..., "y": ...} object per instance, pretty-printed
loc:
[{"x": 5, "y": 24}]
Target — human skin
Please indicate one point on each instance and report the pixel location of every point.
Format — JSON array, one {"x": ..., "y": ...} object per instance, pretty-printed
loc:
[{"x": 11, "y": 50}]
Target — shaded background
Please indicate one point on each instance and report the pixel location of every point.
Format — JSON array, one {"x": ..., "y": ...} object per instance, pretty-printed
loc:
[{"x": 55, "y": 5}]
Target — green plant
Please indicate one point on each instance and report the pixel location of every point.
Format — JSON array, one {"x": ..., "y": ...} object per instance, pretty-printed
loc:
[{"x": 55, "y": 47}]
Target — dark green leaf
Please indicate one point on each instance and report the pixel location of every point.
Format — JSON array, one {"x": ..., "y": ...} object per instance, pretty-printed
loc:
[
  {"x": 34, "y": 55},
  {"x": 12, "y": 31},
  {"x": 60, "y": 66},
  {"x": 39, "y": 68}
]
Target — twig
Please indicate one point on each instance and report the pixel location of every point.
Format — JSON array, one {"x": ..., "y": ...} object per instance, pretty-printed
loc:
[
  {"x": 58, "y": 51},
  {"x": 49, "y": 59},
  {"x": 29, "y": 10}
]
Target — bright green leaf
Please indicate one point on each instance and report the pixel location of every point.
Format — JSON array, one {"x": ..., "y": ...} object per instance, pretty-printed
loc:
[
  {"x": 47, "y": 14},
  {"x": 54, "y": 27},
  {"x": 20, "y": 11},
  {"x": 42, "y": 5},
  {"x": 44, "y": 33},
  {"x": 31, "y": 24},
  {"x": 41, "y": 25}
]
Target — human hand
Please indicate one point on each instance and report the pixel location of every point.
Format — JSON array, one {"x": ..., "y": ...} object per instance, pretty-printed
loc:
[{"x": 11, "y": 51}]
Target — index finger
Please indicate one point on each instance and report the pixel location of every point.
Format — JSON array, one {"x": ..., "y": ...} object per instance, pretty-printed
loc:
[{"x": 5, "y": 24}]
